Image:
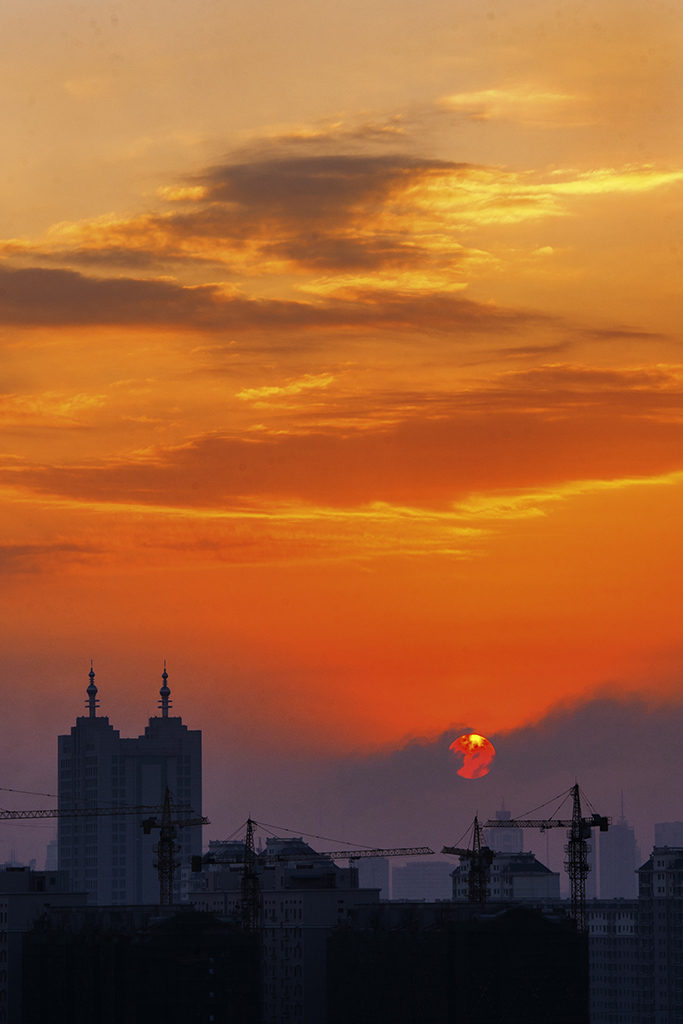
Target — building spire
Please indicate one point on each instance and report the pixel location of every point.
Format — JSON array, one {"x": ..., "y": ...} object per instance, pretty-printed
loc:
[
  {"x": 165, "y": 693},
  {"x": 92, "y": 703}
]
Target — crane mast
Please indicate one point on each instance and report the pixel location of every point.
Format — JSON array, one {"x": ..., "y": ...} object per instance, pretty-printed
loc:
[
  {"x": 250, "y": 886},
  {"x": 250, "y": 903},
  {"x": 165, "y": 850},
  {"x": 577, "y": 849},
  {"x": 480, "y": 858}
]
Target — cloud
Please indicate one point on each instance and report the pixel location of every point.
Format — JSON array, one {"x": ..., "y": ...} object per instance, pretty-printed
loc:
[
  {"x": 411, "y": 794},
  {"x": 19, "y": 559},
  {"x": 528, "y": 429},
  {"x": 284, "y": 213},
  {"x": 522, "y": 103},
  {"x": 51, "y": 297},
  {"x": 309, "y": 382},
  {"x": 51, "y": 408}
]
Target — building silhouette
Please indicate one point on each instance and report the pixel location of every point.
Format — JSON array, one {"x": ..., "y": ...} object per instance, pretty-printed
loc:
[
  {"x": 422, "y": 880},
  {"x": 52, "y": 856},
  {"x": 511, "y": 876},
  {"x": 455, "y": 964},
  {"x": 304, "y": 896},
  {"x": 108, "y": 856},
  {"x": 138, "y": 965},
  {"x": 25, "y": 895},
  {"x": 504, "y": 840},
  {"x": 615, "y": 958},
  {"x": 619, "y": 861},
  {"x": 660, "y": 902}
]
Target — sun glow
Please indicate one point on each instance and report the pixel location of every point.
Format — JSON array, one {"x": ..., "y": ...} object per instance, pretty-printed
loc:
[{"x": 474, "y": 754}]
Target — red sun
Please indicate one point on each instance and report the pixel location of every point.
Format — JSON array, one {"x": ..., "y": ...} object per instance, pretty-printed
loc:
[{"x": 474, "y": 754}]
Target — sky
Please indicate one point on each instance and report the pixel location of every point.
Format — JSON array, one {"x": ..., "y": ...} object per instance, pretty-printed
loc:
[{"x": 341, "y": 368}]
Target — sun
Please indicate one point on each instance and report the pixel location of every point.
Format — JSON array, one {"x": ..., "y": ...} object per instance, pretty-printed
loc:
[{"x": 474, "y": 755}]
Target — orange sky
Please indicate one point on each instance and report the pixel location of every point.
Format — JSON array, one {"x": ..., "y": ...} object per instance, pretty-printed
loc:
[{"x": 341, "y": 359}]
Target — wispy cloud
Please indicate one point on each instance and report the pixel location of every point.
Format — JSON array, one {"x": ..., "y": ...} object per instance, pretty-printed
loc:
[
  {"x": 309, "y": 382},
  {"x": 519, "y": 433},
  {"x": 522, "y": 103},
  {"x": 335, "y": 214}
]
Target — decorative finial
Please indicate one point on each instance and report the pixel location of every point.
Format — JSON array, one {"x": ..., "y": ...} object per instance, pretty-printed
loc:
[
  {"x": 92, "y": 703},
  {"x": 165, "y": 693}
]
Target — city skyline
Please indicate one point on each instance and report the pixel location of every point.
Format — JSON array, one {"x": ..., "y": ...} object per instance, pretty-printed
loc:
[
  {"x": 414, "y": 796},
  {"x": 342, "y": 369}
]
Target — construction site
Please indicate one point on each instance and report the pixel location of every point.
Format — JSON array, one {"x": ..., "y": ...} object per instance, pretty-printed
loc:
[{"x": 138, "y": 921}]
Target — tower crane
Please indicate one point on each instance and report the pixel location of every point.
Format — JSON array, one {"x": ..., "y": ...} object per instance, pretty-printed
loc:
[
  {"x": 480, "y": 858},
  {"x": 165, "y": 851},
  {"x": 250, "y": 901},
  {"x": 576, "y": 864},
  {"x": 77, "y": 812}
]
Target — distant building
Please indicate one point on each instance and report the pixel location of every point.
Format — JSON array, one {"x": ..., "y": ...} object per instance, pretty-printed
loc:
[
  {"x": 504, "y": 840},
  {"x": 619, "y": 857},
  {"x": 511, "y": 876},
  {"x": 422, "y": 880},
  {"x": 52, "y": 856},
  {"x": 108, "y": 856},
  {"x": 373, "y": 873},
  {"x": 669, "y": 833},
  {"x": 24, "y": 896}
]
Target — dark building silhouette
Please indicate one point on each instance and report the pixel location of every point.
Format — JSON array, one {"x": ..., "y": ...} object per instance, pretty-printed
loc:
[
  {"x": 615, "y": 958},
  {"x": 444, "y": 964},
  {"x": 139, "y": 966},
  {"x": 109, "y": 857},
  {"x": 660, "y": 902},
  {"x": 511, "y": 876},
  {"x": 24, "y": 896},
  {"x": 304, "y": 896}
]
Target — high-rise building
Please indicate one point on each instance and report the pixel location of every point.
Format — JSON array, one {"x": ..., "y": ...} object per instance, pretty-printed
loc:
[
  {"x": 619, "y": 859},
  {"x": 614, "y": 961},
  {"x": 51, "y": 856},
  {"x": 504, "y": 840},
  {"x": 109, "y": 856},
  {"x": 660, "y": 903},
  {"x": 304, "y": 897}
]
